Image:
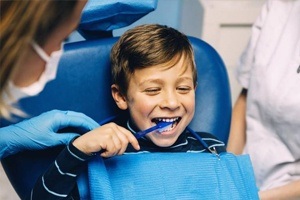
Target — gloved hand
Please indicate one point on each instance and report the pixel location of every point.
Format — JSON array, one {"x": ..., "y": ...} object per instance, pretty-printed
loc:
[{"x": 42, "y": 131}]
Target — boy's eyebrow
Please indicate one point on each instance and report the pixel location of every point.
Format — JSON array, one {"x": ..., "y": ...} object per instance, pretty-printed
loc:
[
  {"x": 160, "y": 81},
  {"x": 185, "y": 78}
]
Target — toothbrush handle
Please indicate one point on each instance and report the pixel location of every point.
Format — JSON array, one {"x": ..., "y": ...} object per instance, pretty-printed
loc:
[{"x": 144, "y": 132}]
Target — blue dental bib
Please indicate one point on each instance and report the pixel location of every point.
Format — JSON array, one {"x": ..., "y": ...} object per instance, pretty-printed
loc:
[{"x": 169, "y": 176}]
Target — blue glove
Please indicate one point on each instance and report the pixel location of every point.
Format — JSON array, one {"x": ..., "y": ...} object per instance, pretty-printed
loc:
[{"x": 41, "y": 132}]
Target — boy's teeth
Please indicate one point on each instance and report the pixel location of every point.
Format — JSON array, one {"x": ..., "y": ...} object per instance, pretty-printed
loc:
[{"x": 168, "y": 120}]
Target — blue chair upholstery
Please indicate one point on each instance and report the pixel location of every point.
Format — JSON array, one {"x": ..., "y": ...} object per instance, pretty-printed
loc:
[{"x": 83, "y": 85}]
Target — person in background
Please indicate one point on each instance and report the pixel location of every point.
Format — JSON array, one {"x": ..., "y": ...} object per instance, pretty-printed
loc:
[
  {"x": 265, "y": 121},
  {"x": 31, "y": 37}
]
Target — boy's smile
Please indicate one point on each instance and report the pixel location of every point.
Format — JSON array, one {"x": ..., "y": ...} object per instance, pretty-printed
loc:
[{"x": 161, "y": 93}]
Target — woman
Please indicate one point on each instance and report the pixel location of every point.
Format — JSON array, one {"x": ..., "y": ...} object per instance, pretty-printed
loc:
[
  {"x": 266, "y": 116},
  {"x": 24, "y": 29}
]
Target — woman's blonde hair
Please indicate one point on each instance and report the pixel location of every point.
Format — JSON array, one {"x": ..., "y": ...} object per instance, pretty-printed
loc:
[{"x": 22, "y": 22}]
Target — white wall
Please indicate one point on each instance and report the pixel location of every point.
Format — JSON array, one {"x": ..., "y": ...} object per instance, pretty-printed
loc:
[{"x": 227, "y": 27}]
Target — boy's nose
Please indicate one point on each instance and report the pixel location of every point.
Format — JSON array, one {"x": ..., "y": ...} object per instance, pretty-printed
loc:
[{"x": 170, "y": 101}]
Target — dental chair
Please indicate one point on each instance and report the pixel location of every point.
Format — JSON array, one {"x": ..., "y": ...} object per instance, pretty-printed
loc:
[{"x": 83, "y": 85}]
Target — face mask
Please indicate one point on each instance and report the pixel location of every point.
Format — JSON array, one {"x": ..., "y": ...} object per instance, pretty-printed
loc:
[{"x": 49, "y": 74}]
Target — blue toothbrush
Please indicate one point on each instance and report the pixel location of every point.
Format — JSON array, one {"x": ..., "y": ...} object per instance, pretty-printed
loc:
[{"x": 160, "y": 126}]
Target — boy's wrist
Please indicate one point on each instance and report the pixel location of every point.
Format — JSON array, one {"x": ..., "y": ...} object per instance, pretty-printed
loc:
[{"x": 74, "y": 147}]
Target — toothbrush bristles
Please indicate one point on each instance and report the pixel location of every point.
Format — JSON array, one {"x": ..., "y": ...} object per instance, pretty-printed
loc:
[{"x": 163, "y": 126}]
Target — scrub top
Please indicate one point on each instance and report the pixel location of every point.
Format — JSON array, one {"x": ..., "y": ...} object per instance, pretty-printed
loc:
[{"x": 270, "y": 69}]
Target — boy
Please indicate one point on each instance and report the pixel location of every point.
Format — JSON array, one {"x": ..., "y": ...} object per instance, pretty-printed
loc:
[{"x": 154, "y": 79}]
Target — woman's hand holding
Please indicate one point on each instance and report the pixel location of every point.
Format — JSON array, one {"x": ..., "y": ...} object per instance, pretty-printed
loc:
[{"x": 41, "y": 132}]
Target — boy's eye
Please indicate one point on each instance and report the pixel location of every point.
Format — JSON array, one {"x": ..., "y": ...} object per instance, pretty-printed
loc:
[
  {"x": 184, "y": 89},
  {"x": 152, "y": 91}
]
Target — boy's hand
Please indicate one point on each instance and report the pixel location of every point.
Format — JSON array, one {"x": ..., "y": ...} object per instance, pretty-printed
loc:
[{"x": 110, "y": 137}]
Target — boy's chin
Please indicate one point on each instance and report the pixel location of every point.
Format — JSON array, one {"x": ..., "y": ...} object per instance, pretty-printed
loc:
[{"x": 163, "y": 142}]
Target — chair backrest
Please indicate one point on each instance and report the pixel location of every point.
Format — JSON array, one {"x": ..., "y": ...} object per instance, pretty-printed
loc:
[{"x": 83, "y": 85}]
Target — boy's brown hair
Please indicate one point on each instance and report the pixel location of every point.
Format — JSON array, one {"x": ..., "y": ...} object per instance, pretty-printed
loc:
[{"x": 148, "y": 45}]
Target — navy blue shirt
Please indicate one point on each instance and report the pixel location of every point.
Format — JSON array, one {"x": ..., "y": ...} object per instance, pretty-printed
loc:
[{"x": 59, "y": 182}]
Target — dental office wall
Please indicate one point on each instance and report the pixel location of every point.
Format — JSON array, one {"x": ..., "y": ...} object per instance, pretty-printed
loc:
[{"x": 224, "y": 24}]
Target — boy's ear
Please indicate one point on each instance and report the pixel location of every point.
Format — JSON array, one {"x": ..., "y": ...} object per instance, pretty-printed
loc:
[{"x": 119, "y": 97}]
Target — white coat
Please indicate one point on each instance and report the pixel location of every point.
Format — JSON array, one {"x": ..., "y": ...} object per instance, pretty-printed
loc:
[{"x": 270, "y": 70}]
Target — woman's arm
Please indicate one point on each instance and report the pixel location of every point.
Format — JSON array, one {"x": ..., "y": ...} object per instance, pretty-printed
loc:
[
  {"x": 42, "y": 132},
  {"x": 237, "y": 136},
  {"x": 290, "y": 191}
]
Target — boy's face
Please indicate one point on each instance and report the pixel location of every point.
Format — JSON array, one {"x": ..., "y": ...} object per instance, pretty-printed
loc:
[{"x": 157, "y": 93}]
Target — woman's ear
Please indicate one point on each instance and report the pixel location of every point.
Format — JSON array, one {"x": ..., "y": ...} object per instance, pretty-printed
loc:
[{"x": 119, "y": 98}]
